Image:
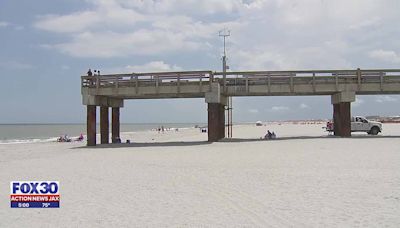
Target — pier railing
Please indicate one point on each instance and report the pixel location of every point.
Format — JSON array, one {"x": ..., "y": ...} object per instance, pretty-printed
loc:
[
  {"x": 148, "y": 79},
  {"x": 244, "y": 80}
]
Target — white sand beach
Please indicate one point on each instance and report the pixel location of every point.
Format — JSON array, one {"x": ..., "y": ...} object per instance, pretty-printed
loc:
[{"x": 177, "y": 179}]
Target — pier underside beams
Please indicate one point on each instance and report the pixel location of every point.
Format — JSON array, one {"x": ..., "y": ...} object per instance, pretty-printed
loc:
[{"x": 91, "y": 125}]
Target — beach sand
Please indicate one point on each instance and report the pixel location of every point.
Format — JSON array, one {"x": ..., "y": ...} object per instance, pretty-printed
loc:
[{"x": 177, "y": 179}]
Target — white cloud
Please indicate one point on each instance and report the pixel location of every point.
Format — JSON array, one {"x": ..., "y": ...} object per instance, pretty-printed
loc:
[
  {"x": 358, "y": 102},
  {"x": 75, "y": 22},
  {"x": 19, "y": 27},
  {"x": 386, "y": 98},
  {"x": 110, "y": 44},
  {"x": 279, "y": 108},
  {"x": 153, "y": 66},
  {"x": 190, "y": 7},
  {"x": 111, "y": 29},
  {"x": 303, "y": 106},
  {"x": 385, "y": 56},
  {"x": 65, "y": 67},
  {"x": 253, "y": 111},
  {"x": 14, "y": 65},
  {"x": 266, "y": 34},
  {"x": 4, "y": 24}
]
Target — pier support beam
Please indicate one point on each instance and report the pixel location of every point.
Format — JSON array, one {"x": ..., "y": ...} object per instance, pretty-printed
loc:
[
  {"x": 342, "y": 113},
  {"x": 216, "y": 113},
  {"x": 115, "y": 129},
  {"x": 91, "y": 125},
  {"x": 91, "y": 102},
  {"x": 216, "y": 122},
  {"x": 104, "y": 125}
]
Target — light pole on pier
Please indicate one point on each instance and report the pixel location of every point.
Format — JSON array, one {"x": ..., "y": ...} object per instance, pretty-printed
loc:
[{"x": 224, "y": 34}]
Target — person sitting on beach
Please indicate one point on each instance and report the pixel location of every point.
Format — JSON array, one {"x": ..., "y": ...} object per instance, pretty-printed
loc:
[
  {"x": 80, "y": 138},
  {"x": 268, "y": 135},
  {"x": 66, "y": 138},
  {"x": 273, "y": 136}
]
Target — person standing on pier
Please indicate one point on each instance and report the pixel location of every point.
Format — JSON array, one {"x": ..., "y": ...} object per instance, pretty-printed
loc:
[{"x": 90, "y": 74}]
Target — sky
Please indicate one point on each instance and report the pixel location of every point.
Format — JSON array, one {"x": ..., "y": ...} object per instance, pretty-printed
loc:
[{"x": 46, "y": 45}]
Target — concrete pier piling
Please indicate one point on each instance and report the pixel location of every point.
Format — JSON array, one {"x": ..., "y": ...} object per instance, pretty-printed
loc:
[
  {"x": 342, "y": 113},
  {"x": 104, "y": 125},
  {"x": 216, "y": 113},
  {"x": 341, "y": 118},
  {"x": 115, "y": 128},
  {"x": 216, "y": 122},
  {"x": 91, "y": 125}
]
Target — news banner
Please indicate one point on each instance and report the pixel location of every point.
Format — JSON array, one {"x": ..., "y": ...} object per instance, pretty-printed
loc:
[{"x": 35, "y": 194}]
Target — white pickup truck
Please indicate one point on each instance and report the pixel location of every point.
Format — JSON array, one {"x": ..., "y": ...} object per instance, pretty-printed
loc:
[{"x": 360, "y": 124}]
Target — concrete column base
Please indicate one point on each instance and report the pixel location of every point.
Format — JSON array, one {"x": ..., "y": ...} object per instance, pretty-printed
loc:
[
  {"x": 91, "y": 125},
  {"x": 216, "y": 122},
  {"x": 342, "y": 119},
  {"x": 104, "y": 125},
  {"x": 115, "y": 129}
]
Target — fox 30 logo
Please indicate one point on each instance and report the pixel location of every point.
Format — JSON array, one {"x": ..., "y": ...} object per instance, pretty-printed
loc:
[{"x": 34, "y": 194}]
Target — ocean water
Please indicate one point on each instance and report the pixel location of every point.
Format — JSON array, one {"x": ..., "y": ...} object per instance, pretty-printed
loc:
[{"x": 28, "y": 133}]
